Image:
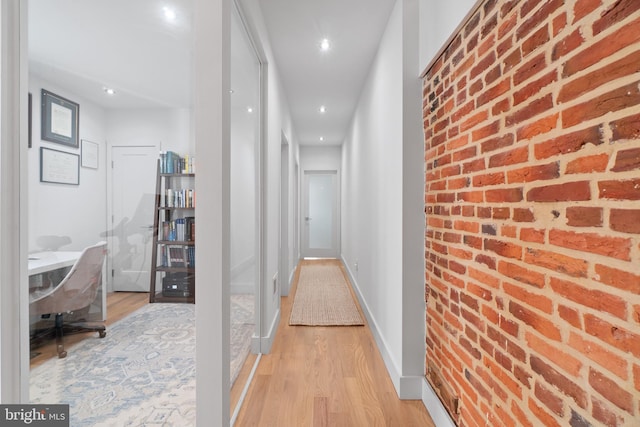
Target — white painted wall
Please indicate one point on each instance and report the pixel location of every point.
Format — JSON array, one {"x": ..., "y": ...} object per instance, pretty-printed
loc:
[
  {"x": 438, "y": 20},
  {"x": 321, "y": 158},
  {"x": 76, "y": 211},
  {"x": 382, "y": 200},
  {"x": 168, "y": 128},
  {"x": 372, "y": 195}
]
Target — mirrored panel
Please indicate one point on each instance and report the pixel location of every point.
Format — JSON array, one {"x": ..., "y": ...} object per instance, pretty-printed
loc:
[
  {"x": 111, "y": 190},
  {"x": 244, "y": 218}
]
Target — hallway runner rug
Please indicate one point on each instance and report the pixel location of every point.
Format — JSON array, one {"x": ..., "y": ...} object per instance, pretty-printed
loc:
[
  {"x": 142, "y": 373},
  {"x": 323, "y": 298}
]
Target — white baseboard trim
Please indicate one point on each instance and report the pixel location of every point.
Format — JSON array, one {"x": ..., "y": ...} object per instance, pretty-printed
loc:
[
  {"x": 263, "y": 344},
  {"x": 436, "y": 409},
  {"x": 407, "y": 387}
]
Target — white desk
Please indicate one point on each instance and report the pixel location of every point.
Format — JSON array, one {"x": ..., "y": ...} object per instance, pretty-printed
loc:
[{"x": 42, "y": 262}]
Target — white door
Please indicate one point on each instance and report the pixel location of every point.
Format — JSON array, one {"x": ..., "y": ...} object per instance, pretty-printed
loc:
[
  {"x": 321, "y": 238},
  {"x": 134, "y": 187}
]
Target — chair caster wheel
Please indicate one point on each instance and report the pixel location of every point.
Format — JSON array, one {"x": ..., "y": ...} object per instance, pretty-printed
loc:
[
  {"x": 102, "y": 334},
  {"x": 62, "y": 355}
]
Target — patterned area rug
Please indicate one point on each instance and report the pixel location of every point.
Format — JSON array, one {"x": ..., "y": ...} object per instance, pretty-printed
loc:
[
  {"x": 323, "y": 298},
  {"x": 142, "y": 373}
]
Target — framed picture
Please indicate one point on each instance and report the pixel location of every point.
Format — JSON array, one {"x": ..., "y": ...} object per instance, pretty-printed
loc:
[
  {"x": 59, "y": 167},
  {"x": 89, "y": 154},
  {"x": 60, "y": 119}
]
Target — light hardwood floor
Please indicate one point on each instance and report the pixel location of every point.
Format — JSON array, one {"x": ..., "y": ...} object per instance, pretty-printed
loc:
[{"x": 325, "y": 376}]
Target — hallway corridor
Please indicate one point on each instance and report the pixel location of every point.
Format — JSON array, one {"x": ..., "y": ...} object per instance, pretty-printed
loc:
[{"x": 325, "y": 376}]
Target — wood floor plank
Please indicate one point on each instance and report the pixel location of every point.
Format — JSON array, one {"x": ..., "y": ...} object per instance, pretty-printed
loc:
[
  {"x": 325, "y": 376},
  {"x": 320, "y": 411}
]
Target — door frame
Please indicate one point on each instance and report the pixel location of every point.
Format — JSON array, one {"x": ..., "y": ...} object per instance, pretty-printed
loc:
[
  {"x": 14, "y": 294},
  {"x": 306, "y": 252},
  {"x": 284, "y": 217},
  {"x": 110, "y": 207}
]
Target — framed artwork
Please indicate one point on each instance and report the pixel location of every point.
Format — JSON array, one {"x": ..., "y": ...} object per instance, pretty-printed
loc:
[
  {"x": 59, "y": 167},
  {"x": 60, "y": 119},
  {"x": 89, "y": 154}
]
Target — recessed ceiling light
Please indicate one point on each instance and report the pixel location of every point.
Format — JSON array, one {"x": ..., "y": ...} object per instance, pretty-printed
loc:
[
  {"x": 322, "y": 109},
  {"x": 249, "y": 109},
  {"x": 321, "y": 138},
  {"x": 109, "y": 91},
  {"x": 325, "y": 45},
  {"x": 169, "y": 14}
]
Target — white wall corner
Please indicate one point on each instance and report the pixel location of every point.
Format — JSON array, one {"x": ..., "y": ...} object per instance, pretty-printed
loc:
[{"x": 436, "y": 409}]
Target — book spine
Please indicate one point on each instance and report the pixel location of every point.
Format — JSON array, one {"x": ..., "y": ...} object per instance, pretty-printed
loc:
[
  {"x": 163, "y": 256},
  {"x": 163, "y": 161},
  {"x": 180, "y": 229}
]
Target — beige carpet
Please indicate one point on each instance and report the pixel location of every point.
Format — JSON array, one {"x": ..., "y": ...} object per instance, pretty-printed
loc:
[{"x": 323, "y": 298}]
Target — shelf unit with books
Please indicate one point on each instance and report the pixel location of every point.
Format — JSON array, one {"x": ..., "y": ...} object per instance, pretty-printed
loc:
[{"x": 173, "y": 250}]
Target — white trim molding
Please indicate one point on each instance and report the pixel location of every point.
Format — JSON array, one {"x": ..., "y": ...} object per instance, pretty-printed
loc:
[{"x": 14, "y": 317}]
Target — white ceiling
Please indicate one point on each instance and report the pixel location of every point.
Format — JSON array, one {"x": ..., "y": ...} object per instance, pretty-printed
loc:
[
  {"x": 335, "y": 78},
  {"x": 128, "y": 45}
]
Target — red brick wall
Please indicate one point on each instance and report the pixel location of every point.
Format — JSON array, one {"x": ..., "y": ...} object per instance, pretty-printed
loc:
[{"x": 532, "y": 247}]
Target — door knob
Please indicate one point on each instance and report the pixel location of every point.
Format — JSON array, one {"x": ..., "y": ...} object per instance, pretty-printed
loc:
[{"x": 308, "y": 218}]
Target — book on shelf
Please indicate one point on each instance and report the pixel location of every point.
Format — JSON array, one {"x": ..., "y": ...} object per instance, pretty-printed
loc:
[
  {"x": 190, "y": 228},
  {"x": 164, "y": 261},
  {"x": 172, "y": 163},
  {"x": 190, "y": 256},
  {"x": 177, "y": 256},
  {"x": 188, "y": 164},
  {"x": 179, "y": 229},
  {"x": 180, "y": 198}
]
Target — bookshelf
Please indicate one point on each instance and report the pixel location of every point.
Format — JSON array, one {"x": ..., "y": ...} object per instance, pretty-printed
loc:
[{"x": 173, "y": 250}]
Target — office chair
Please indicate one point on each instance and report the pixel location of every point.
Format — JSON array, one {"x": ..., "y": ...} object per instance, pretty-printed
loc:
[{"x": 77, "y": 290}]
